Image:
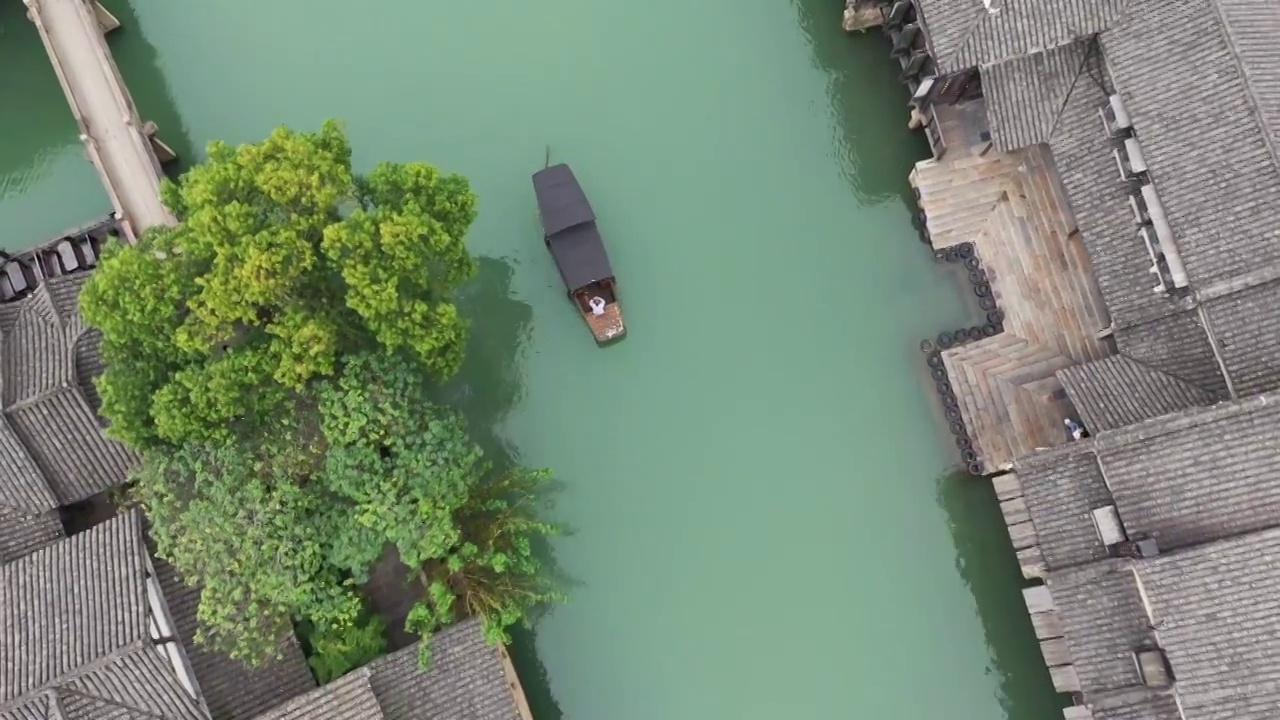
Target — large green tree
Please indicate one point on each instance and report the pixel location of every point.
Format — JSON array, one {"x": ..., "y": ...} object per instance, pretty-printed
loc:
[
  {"x": 274, "y": 356},
  {"x": 284, "y": 261},
  {"x": 285, "y": 528}
]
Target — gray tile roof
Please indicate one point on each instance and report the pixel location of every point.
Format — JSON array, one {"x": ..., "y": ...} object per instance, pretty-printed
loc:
[
  {"x": 1251, "y": 27},
  {"x": 1159, "y": 707},
  {"x": 54, "y": 439},
  {"x": 35, "y": 357},
  {"x": 22, "y": 486},
  {"x": 63, "y": 435},
  {"x": 1194, "y": 97},
  {"x": 1247, "y": 327},
  {"x": 1184, "y": 479},
  {"x": 1215, "y": 611},
  {"x": 1103, "y": 621},
  {"x": 1099, "y": 202},
  {"x": 1199, "y": 475},
  {"x": 1061, "y": 489},
  {"x": 71, "y": 604},
  {"x": 138, "y": 685},
  {"x": 231, "y": 689},
  {"x": 348, "y": 698},
  {"x": 1176, "y": 345},
  {"x": 962, "y": 34},
  {"x": 74, "y": 632},
  {"x": 22, "y": 533},
  {"x": 466, "y": 681},
  {"x": 1119, "y": 391},
  {"x": 89, "y": 365},
  {"x": 1026, "y": 95}
]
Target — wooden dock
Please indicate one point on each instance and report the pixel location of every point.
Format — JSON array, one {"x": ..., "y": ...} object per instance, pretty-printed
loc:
[
  {"x": 1012, "y": 208},
  {"x": 1053, "y": 644},
  {"x": 1018, "y": 521},
  {"x": 1045, "y": 621}
]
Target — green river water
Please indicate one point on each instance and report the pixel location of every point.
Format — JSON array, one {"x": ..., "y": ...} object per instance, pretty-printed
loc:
[{"x": 762, "y": 521}]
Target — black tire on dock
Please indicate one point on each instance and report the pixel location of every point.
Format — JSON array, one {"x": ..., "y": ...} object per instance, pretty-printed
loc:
[
  {"x": 938, "y": 374},
  {"x": 969, "y": 455},
  {"x": 975, "y": 469},
  {"x": 946, "y": 340},
  {"x": 975, "y": 333},
  {"x": 977, "y": 276},
  {"x": 982, "y": 289},
  {"x": 943, "y": 387},
  {"x": 951, "y": 254},
  {"x": 971, "y": 262},
  {"x": 987, "y": 303},
  {"x": 957, "y": 428},
  {"x": 934, "y": 360},
  {"x": 950, "y": 403},
  {"x": 990, "y": 330},
  {"x": 966, "y": 250},
  {"x": 927, "y": 346},
  {"x": 939, "y": 255},
  {"x": 963, "y": 442},
  {"x": 953, "y": 414},
  {"x": 995, "y": 317}
]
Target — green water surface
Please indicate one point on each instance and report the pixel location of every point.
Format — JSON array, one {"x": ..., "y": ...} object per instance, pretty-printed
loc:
[{"x": 761, "y": 519}]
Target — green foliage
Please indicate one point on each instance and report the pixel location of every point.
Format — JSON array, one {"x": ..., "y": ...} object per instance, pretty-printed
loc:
[
  {"x": 273, "y": 355},
  {"x": 336, "y": 652},
  {"x": 284, "y": 261},
  {"x": 282, "y": 528},
  {"x": 232, "y": 520},
  {"x": 402, "y": 466},
  {"x": 494, "y": 572}
]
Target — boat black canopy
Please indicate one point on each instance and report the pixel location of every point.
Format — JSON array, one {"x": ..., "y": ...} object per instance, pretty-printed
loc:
[{"x": 569, "y": 227}]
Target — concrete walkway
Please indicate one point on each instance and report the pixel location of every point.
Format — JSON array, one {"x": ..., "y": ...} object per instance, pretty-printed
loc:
[{"x": 109, "y": 123}]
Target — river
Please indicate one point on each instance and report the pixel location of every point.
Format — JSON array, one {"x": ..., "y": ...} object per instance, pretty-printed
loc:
[{"x": 761, "y": 520}]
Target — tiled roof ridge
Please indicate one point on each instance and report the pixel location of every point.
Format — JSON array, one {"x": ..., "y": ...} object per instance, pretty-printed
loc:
[
  {"x": 1151, "y": 428},
  {"x": 980, "y": 15},
  {"x": 55, "y": 391},
  {"x": 55, "y": 685},
  {"x": 61, "y": 691},
  {"x": 1251, "y": 94},
  {"x": 1091, "y": 50}
]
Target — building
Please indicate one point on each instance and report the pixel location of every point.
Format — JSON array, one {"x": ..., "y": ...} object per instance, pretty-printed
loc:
[
  {"x": 469, "y": 679},
  {"x": 86, "y": 632},
  {"x": 1152, "y": 546},
  {"x": 93, "y": 624},
  {"x": 57, "y": 468}
]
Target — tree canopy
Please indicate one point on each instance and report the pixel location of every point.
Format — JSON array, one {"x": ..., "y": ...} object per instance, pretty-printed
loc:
[
  {"x": 275, "y": 356},
  {"x": 283, "y": 262},
  {"x": 285, "y": 528}
]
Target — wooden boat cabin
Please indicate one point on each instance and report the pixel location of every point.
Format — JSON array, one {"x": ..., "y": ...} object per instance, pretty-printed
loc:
[{"x": 570, "y": 232}]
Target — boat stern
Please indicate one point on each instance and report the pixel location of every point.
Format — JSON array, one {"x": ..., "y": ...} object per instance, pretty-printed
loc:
[{"x": 607, "y": 326}]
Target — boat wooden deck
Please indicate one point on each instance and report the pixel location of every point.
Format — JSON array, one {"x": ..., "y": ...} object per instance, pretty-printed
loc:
[
  {"x": 1012, "y": 208},
  {"x": 607, "y": 326}
]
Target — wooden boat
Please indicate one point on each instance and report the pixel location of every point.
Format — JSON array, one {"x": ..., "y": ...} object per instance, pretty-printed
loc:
[{"x": 571, "y": 235}]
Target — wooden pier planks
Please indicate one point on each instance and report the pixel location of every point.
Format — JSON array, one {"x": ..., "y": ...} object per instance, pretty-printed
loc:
[
  {"x": 1017, "y": 519},
  {"x": 1012, "y": 208}
]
